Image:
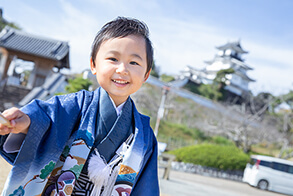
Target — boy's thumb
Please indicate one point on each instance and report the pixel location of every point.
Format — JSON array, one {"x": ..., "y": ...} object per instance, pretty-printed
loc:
[
  {"x": 20, "y": 125},
  {"x": 12, "y": 123}
]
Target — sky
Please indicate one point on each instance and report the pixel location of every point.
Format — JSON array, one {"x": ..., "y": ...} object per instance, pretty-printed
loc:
[{"x": 184, "y": 32}]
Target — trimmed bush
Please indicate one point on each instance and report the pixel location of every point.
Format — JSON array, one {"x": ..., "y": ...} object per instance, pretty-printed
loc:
[{"x": 222, "y": 157}]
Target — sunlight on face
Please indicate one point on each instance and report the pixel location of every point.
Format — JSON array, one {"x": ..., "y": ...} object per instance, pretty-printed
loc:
[{"x": 120, "y": 66}]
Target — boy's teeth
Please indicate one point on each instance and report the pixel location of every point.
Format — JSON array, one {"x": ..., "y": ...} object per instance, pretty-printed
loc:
[{"x": 120, "y": 82}]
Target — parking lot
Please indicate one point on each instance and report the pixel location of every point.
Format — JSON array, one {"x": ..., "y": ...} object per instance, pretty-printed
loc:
[
  {"x": 4, "y": 170},
  {"x": 186, "y": 184}
]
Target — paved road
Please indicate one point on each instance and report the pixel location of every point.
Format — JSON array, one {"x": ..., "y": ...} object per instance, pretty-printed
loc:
[
  {"x": 185, "y": 184},
  {"x": 4, "y": 170}
]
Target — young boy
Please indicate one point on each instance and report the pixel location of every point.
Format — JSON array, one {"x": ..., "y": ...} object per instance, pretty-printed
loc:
[{"x": 89, "y": 143}]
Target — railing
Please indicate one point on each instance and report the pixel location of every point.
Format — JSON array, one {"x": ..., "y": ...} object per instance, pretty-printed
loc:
[{"x": 235, "y": 175}]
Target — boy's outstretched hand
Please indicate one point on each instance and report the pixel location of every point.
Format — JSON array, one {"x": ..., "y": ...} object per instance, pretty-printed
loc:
[{"x": 19, "y": 122}]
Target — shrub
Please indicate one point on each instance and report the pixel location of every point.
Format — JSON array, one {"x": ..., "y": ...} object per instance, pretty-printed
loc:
[{"x": 211, "y": 155}]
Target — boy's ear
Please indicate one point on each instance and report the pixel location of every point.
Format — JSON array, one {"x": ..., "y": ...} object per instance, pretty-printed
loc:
[
  {"x": 93, "y": 67},
  {"x": 146, "y": 76}
]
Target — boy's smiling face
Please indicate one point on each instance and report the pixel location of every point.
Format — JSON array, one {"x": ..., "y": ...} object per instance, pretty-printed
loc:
[{"x": 120, "y": 66}]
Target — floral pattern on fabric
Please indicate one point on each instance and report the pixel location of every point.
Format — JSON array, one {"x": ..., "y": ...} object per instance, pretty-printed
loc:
[{"x": 18, "y": 192}]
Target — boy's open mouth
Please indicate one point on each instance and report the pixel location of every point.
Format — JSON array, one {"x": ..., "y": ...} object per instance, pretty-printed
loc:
[{"x": 120, "y": 81}]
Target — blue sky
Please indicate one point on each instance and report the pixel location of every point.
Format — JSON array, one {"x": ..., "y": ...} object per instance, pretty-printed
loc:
[{"x": 183, "y": 32}]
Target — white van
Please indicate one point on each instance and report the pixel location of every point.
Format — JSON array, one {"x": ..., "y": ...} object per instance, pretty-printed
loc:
[{"x": 269, "y": 173}]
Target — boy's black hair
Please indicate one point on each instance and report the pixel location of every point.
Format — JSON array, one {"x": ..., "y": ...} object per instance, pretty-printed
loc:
[{"x": 122, "y": 27}]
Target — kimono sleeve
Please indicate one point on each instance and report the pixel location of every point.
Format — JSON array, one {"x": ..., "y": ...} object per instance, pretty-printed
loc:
[
  {"x": 147, "y": 183},
  {"x": 51, "y": 124}
]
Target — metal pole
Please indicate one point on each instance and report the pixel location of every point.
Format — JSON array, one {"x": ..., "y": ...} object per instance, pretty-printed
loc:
[{"x": 161, "y": 109}]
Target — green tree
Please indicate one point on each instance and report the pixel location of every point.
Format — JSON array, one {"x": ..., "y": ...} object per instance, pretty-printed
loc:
[
  {"x": 287, "y": 98},
  {"x": 167, "y": 78},
  {"x": 221, "y": 81},
  {"x": 221, "y": 77},
  {"x": 215, "y": 91},
  {"x": 77, "y": 84},
  {"x": 285, "y": 124},
  {"x": 264, "y": 99},
  {"x": 155, "y": 70},
  {"x": 192, "y": 87},
  {"x": 4, "y": 22},
  {"x": 210, "y": 91}
]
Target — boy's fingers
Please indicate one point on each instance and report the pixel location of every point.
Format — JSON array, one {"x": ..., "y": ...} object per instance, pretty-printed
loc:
[
  {"x": 4, "y": 130},
  {"x": 19, "y": 121},
  {"x": 12, "y": 113},
  {"x": 20, "y": 124},
  {"x": 12, "y": 123}
]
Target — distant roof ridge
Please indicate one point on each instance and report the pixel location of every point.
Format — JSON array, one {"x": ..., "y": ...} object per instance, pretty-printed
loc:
[
  {"x": 17, "y": 40},
  {"x": 232, "y": 44},
  {"x": 5, "y": 35},
  {"x": 21, "y": 32},
  {"x": 56, "y": 48}
]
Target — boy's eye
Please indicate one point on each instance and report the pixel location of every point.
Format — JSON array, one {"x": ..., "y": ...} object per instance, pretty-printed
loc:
[
  {"x": 133, "y": 63},
  {"x": 112, "y": 59}
]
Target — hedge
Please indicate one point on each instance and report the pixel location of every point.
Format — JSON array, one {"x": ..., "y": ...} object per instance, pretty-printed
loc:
[{"x": 222, "y": 157}]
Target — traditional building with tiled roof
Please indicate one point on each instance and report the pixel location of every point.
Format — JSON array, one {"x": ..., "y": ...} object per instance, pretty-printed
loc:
[
  {"x": 29, "y": 65},
  {"x": 45, "y": 54},
  {"x": 229, "y": 56}
]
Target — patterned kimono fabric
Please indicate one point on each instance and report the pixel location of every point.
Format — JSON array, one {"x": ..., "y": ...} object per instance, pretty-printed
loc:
[
  {"x": 111, "y": 132},
  {"x": 61, "y": 177},
  {"x": 110, "y": 135}
]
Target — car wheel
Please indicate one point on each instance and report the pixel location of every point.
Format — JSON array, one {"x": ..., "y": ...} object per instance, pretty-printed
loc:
[{"x": 263, "y": 185}]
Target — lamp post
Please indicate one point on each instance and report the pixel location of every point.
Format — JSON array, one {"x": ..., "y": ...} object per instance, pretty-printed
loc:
[{"x": 161, "y": 108}]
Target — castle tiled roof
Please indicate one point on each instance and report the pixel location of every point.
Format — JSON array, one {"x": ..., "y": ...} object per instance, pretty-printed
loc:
[
  {"x": 232, "y": 45},
  {"x": 20, "y": 41}
]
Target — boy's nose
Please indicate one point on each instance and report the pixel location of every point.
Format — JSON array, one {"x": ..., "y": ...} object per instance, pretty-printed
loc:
[{"x": 122, "y": 68}]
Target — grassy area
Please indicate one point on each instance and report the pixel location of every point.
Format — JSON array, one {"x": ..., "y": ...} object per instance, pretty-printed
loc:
[
  {"x": 178, "y": 135},
  {"x": 187, "y": 123},
  {"x": 180, "y": 131}
]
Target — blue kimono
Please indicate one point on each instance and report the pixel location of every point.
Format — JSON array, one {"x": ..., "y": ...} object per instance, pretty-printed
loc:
[{"x": 58, "y": 128}]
